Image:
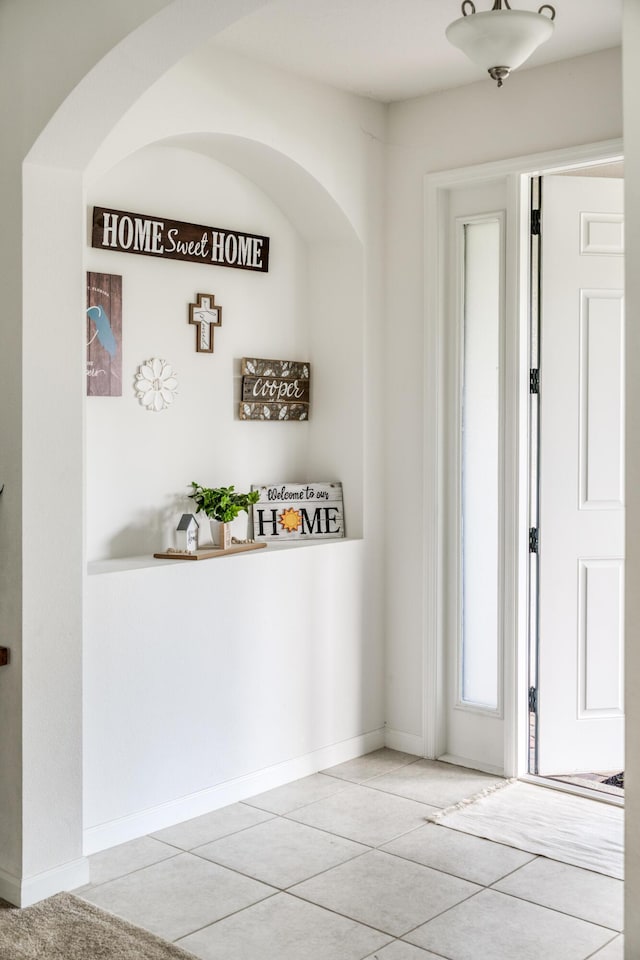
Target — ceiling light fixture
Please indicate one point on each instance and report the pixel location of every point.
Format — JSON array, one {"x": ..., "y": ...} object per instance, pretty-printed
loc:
[{"x": 500, "y": 39}]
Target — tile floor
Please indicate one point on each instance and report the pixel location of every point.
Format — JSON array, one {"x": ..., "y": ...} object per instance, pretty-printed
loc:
[{"x": 342, "y": 865}]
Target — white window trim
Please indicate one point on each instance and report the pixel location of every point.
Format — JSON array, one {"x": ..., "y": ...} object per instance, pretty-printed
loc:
[{"x": 496, "y": 216}]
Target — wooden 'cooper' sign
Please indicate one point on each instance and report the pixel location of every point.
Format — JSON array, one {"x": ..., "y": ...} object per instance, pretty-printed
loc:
[
  {"x": 275, "y": 389},
  {"x": 175, "y": 240}
]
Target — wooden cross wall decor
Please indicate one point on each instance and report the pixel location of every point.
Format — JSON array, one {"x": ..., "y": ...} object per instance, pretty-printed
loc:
[{"x": 205, "y": 315}]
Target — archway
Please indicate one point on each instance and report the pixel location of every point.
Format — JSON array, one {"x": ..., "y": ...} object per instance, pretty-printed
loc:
[{"x": 53, "y": 420}]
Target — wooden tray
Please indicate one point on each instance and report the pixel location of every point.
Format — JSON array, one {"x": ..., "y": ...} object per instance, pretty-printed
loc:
[{"x": 208, "y": 553}]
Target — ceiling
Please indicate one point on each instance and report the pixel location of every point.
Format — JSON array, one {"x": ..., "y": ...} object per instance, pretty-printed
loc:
[{"x": 396, "y": 49}]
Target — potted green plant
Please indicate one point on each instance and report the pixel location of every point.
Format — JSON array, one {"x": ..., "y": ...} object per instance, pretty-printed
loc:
[{"x": 221, "y": 505}]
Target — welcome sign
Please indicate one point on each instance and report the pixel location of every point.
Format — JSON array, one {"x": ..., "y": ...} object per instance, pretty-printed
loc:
[
  {"x": 298, "y": 511},
  {"x": 152, "y": 236}
]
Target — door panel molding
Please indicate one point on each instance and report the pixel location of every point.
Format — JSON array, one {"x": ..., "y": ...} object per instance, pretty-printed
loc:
[
  {"x": 601, "y": 234},
  {"x": 601, "y": 413},
  {"x": 600, "y": 638}
]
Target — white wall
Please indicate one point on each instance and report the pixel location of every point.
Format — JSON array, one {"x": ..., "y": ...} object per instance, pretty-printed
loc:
[
  {"x": 139, "y": 463},
  {"x": 209, "y": 682},
  {"x": 631, "y": 36},
  {"x": 230, "y": 676},
  {"x": 329, "y": 134},
  {"x": 41, "y": 61},
  {"x": 40, "y": 840},
  {"x": 560, "y": 105},
  {"x": 334, "y": 140}
]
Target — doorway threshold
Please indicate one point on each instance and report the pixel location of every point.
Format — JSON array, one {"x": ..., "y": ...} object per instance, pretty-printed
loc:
[
  {"x": 600, "y": 782},
  {"x": 577, "y": 789}
]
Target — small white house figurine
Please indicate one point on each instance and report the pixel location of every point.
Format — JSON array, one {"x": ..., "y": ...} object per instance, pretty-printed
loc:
[{"x": 187, "y": 531}]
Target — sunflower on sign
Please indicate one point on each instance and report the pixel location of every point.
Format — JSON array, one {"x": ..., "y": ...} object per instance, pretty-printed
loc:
[{"x": 291, "y": 519}]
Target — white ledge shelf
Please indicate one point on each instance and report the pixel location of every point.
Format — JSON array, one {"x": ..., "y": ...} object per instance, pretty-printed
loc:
[{"x": 124, "y": 564}]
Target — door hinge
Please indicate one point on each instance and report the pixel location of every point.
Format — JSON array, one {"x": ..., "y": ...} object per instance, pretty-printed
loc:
[
  {"x": 533, "y": 540},
  {"x": 534, "y": 381},
  {"x": 535, "y": 223},
  {"x": 533, "y": 700}
]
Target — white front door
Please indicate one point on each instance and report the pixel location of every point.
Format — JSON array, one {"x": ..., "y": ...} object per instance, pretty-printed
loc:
[{"x": 581, "y": 516}]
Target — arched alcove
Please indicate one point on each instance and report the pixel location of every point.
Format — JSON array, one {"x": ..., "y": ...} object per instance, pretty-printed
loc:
[
  {"x": 310, "y": 307},
  {"x": 309, "y": 303}
]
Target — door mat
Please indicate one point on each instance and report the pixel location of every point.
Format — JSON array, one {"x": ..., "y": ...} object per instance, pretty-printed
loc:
[
  {"x": 584, "y": 833},
  {"x": 591, "y": 781},
  {"x": 66, "y": 928},
  {"x": 615, "y": 781}
]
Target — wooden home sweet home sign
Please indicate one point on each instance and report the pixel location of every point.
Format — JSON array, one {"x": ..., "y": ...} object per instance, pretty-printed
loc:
[{"x": 174, "y": 240}]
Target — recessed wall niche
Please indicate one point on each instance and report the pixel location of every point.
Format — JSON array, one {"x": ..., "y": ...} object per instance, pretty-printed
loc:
[{"x": 308, "y": 305}]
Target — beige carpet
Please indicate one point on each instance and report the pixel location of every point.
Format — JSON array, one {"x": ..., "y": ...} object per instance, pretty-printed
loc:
[{"x": 66, "y": 928}]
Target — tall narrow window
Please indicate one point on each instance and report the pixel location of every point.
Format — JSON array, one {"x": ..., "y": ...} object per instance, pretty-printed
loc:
[{"x": 480, "y": 481}]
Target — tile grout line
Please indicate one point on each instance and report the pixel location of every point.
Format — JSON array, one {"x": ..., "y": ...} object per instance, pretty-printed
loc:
[
  {"x": 534, "y": 857},
  {"x": 357, "y": 856},
  {"x": 594, "y": 955},
  {"x": 562, "y": 913},
  {"x": 345, "y": 784},
  {"x": 250, "y": 826},
  {"x": 344, "y": 916},
  {"x": 172, "y": 846},
  {"x": 309, "y": 903},
  {"x": 192, "y": 851},
  {"x": 370, "y": 848},
  {"x": 274, "y": 889},
  {"x": 438, "y": 808},
  {"x": 439, "y": 956},
  {"x": 402, "y": 766},
  {"x": 233, "y": 913},
  {"x": 342, "y": 836},
  {"x": 456, "y": 876},
  {"x": 476, "y": 893},
  {"x": 123, "y": 876}
]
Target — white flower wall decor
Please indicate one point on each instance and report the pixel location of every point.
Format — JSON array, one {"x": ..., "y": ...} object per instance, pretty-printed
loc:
[{"x": 156, "y": 384}]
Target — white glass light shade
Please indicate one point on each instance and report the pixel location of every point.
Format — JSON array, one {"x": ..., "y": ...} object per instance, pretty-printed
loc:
[{"x": 500, "y": 38}]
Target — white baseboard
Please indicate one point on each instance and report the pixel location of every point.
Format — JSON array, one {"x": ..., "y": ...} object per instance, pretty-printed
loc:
[
  {"x": 404, "y": 742},
  {"x": 30, "y": 890},
  {"x": 472, "y": 764},
  {"x": 106, "y": 835}
]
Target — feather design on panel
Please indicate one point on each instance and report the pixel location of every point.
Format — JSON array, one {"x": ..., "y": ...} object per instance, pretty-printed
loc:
[
  {"x": 104, "y": 335},
  {"x": 104, "y": 332}
]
